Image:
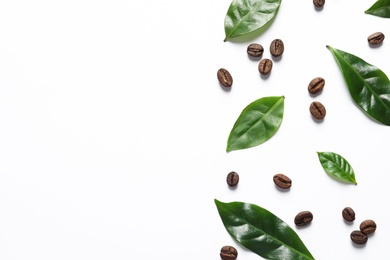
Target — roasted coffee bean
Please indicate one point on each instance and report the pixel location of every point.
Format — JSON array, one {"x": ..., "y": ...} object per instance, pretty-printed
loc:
[
  {"x": 224, "y": 77},
  {"x": 358, "y": 237},
  {"x": 282, "y": 181},
  {"x": 368, "y": 226},
  {"x": 265, "y": 66},
  {"x": 277, "y": 47},
  {"x": 376, "y": 38},
  {"x": 319, "y": 3},
  {"x": 255, "y": 50},
  {"x": 232, "y": 179},
  {"x": 348, "y": 214},
  {"x": 228, "y": 253},
  {"x": 316, "y": 85},
  {"x": 317, "y": 110},
  {"x": 303, "y": 218}
]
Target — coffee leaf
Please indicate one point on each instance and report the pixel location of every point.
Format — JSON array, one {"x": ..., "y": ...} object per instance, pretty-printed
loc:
[
  {"x": 262, "y": 232},
  {"x": 368, "y": 86},
  {"x": 257, "y": 123},
  {"x": 337, "y": 167},
  {"x": 380, "y": 8},
  {"x": 244, "y": 17}
]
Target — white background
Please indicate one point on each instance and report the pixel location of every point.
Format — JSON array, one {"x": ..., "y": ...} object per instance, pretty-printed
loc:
[{"x": 113, "y": 129}]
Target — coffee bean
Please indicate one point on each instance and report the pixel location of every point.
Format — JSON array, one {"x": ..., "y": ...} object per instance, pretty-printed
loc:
[
  {"x": 303, "y": 218},
  {"x": 368, "y": 226},
  {"x": 265, "y": 66},
  {"x": 255, "y": 50},
  {"x": 277, "y": 47},
  {"x": 224, "y": 77},
  {"x": 282, "y": 181},
  {"x": 358, "y": 237},
  {"x": 228, "y": 253},
  {"x": 319, "y": 3},
  {"x": 232, "y": 179},
  {"x": 317, "y": 110},
  {"x": 316, "y": 85},
  {"x": 348, "y": 214},
  {"x": 376, "y": 38}
]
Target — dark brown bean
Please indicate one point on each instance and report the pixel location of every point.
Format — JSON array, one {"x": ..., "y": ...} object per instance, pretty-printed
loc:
[
  {"x": 282, "y": 181},
  {"x": 224, "y": 77},
  {"x": 317, "y": 110},
  {"x": 376, "y": 38},
  {"x": 255, "y": 50},
  {"x": 276, "y": 47},
  {"x": 228, "y": 253},
  {"x": 316, "y": 85},
  {"x": 265, "y": 66},
  {"x": 358, "y": 237},
  {"x": 319, "y": 3},
  {"x": 348, "y": 214},
  {"x": 232, "y": 179},
  {"x": 303, "y": 218},
  {"x": 368, "y": 226}
]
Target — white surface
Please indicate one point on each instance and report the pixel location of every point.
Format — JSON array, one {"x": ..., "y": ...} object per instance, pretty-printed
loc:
[{"x": 114, "y": 126}]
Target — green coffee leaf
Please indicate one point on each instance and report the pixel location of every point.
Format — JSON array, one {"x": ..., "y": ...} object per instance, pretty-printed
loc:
[
  {"x": 380, "y": 8},
  {"x": 245, "y": 16},
  {"x": 261, "y": 231},
  {"x": 257, "y": 123},
  {"x": 337, "y": 167},
  {"x": 368, "y": 85}
]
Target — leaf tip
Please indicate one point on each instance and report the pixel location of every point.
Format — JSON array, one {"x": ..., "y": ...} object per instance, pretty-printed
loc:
[{"x": 229, "y": 147}]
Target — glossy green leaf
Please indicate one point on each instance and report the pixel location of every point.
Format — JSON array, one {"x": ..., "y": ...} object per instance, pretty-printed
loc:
[
  {"x": 380, "y": 8},
  {"x": 368, "y": 85},
  {"x": 257, "y": 123},
  {"x": 261, "y": 231},
  {"x": 337, "y": 167},
  {"x": 245, "y": 16}
]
